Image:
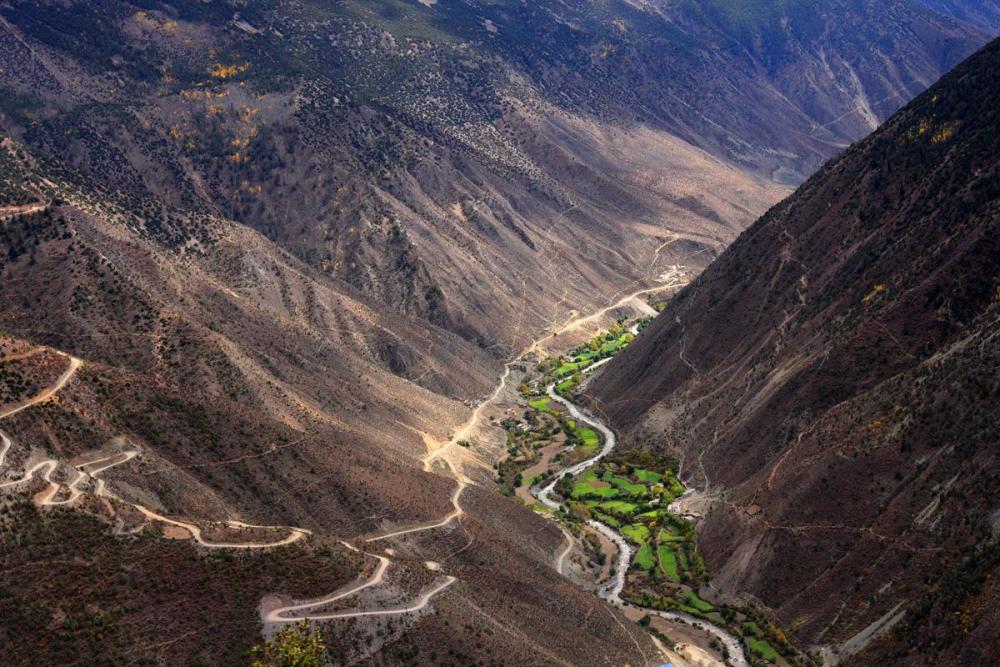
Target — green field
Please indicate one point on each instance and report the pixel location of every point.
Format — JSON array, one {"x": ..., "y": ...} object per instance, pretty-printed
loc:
[
  {"x": 564, "y": 386},
  {"x": 636, "y": 532},
  {"x": 589, "y": 437},
  {"x": 697, "y": 603},
  {"x": 628, "y": 487},
  {"x": 569, "y": 369},
  {"x": 590, "y": 478},
  {"x": 685, "y": 563},
  {"x": 648, "y": 476},
  {"x": 582, "y": 490},
  {"x": 584, "y": 355},
  {"x": 541, "y": 404},
  {"x": 633, "y": 500},
  {"x": 676, "y": 539},
  {"x": 618, "y": 507},
  {"x": 763, "y": 649},
  {"x": 615, "y": 345},
  {"x": 668, "y": 562},
  {"x": 669, "y": 536},
  {"x": 644, "y": 557},
  {"x": 675, "y": 488}
]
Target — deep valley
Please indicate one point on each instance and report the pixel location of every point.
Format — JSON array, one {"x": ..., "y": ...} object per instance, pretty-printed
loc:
[{"x": 450, "y": 332}]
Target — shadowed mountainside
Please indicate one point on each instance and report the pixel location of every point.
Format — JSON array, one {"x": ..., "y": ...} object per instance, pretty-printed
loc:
[
  {"x": 831, "y": 382},
  {"x": 460, "y": 160},
  {"x": 983, "y": 13},
  {"x": 242, "y": 385}
]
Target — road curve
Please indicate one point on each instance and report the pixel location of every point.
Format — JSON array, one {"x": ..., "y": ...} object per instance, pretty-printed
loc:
[
  {"x": 86, "y": 469},
  {"x": 49, "y": 465},
  {"x": 281, "y": 614},
  {"x": 82, "y": 474},
  {"x": 284, "y": 614},
  {"x": 561, "y": 558},
  {"x": 91, "y": 469},
  {"x": 420, "y": 603},
  {"x": 456, "y": 512},
  {"x": 46, "y": 393},
  {"x": 294, "y": 534}
]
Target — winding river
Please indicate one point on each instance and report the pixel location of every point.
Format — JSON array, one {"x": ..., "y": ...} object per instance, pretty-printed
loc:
[{"x": 612, "y": 589}]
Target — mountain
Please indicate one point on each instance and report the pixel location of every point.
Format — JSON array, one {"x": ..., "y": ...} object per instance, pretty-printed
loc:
[
  {"x": 980, "y": 13},
  {"x": 830, "y": 384},
  {"x": 261, "y": 265},
  {"x": 167, "y": 376},
  {"x": 455, "y": 159}
]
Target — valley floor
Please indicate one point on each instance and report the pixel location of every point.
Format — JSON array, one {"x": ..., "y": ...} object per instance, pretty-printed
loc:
[
  {"x": 630, "y": 504},
  {"x": 577, "y": 443}
]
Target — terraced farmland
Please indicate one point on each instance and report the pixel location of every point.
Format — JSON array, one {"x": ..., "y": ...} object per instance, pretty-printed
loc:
[
  {"x": 630, "y": 493},
  {"x": 565, "y": 369},
  {"x": 635, "y": 500}
]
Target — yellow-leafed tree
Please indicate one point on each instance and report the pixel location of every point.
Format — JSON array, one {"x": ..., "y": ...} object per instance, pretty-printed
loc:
[{"x": 293, "y": 646}]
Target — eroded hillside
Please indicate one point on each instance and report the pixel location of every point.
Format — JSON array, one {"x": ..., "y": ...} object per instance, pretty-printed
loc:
[
  {"x": 183, "y": 401},
  {"x": 830, "y": 383},
  {"x": 459, "y": 160}
]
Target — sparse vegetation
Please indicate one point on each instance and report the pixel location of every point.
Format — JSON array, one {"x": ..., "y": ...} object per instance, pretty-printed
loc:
[{"x": 297, "y": 645}]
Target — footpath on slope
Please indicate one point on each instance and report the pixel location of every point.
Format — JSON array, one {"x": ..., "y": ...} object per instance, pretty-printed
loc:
[
  {"x": 89, "y": 471},
  {"x": 45, "y": 468}
]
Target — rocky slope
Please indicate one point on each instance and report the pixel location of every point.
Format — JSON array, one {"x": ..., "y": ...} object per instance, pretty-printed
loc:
[
  {"x": 456, "y": 159},
  {"x": 289, "y": 241},
  {"x": 830, "y": 383},
  {"x": 982, "y": 13},
  {"x": 253, "y": 388}
]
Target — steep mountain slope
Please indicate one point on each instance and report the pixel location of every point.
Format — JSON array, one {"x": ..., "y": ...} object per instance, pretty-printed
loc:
[
  {"x": 456, "y": 160},
  {"x": 187, "y": 374},
  {"x": 831, "y": 384},
  {"x": 983, "y": 13},
  {"x": 831, "y": 71},
  {"x": 259, "y": 257},
  {"x": 406, "y": 158}
]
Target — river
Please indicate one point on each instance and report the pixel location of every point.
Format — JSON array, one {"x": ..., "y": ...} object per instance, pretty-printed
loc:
[{"x": 612, "y": 589}]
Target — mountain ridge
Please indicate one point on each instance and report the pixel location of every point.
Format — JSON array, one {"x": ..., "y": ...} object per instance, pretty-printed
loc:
[
  {"x": 801, "y": 380},
  {"x": 418, "y": 154}
]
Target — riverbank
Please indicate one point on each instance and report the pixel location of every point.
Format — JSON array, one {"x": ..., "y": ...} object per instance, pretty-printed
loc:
[{"x": 655, "y": 571}]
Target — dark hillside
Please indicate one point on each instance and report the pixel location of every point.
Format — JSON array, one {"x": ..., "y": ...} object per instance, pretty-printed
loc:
[{"x": 831, "y": 379}]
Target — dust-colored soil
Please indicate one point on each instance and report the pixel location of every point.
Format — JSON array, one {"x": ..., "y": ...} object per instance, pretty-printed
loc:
[{"x": 541, "y": 467}]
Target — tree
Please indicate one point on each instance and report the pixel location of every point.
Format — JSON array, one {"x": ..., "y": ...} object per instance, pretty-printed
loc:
[{"x": 293, "y": 646}]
